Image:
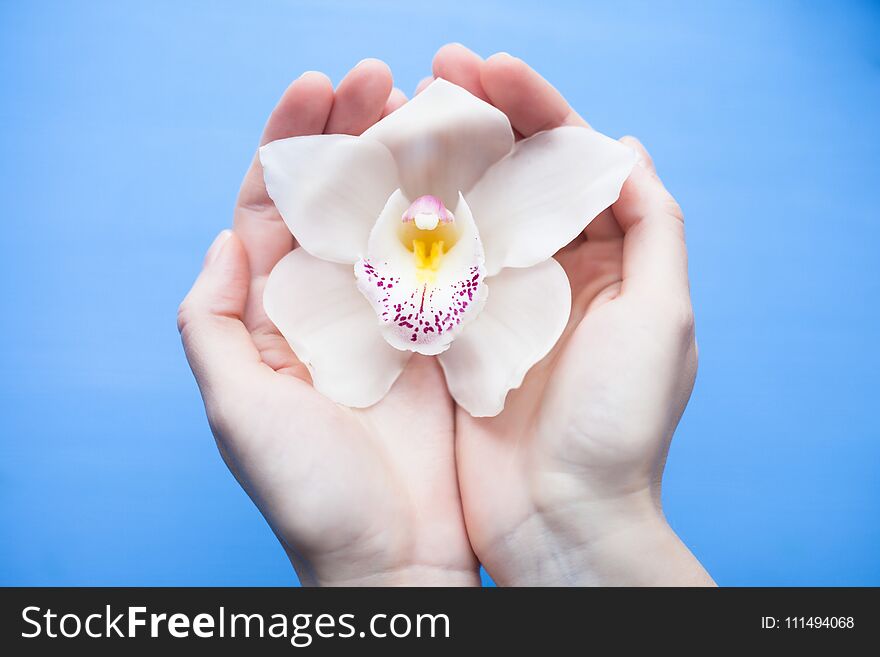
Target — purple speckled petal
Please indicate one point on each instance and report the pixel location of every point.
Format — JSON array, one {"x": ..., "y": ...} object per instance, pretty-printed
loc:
[{"x": 417, "y": 315}]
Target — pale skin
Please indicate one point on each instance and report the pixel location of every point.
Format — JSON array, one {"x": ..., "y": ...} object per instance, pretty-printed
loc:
[{"x": 563, "y": 487}]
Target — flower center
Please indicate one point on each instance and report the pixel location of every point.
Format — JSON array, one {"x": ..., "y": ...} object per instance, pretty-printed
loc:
[
  {"x": 428, "y": 231},
  {"x": 425, "y": 279}
]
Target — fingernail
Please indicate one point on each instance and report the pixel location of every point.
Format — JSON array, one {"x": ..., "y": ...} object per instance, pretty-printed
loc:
[
  {"x": 633, "y": 145},
  {"x": 459, "y": 44},
  {"x": 310, "y": 74},
  {"x": 217, "y": 246}
]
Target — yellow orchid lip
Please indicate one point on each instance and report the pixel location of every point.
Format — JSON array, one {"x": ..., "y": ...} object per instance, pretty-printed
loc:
[{"x": 427, "y": 263}]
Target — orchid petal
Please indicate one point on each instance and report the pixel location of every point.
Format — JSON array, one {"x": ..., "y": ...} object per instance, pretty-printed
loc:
[
  {"x": 545, "y": 192},
  {"x": 443, "y": 140},
  {"x": 525, "y": 314},
  {"x": 329, "y": 190},
  {"x": 331, "y": 329},
  {"x": 421, "y": 310}
]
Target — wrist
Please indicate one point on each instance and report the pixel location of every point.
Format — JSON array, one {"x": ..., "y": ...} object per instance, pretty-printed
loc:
[{"x": 620, "y": 541}]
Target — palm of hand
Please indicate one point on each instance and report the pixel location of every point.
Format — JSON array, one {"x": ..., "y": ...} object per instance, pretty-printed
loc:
[
  {"x": 344, "y": 488},
  {"x": 353, "y": 494},
  {"x": 582, "y": 427}
]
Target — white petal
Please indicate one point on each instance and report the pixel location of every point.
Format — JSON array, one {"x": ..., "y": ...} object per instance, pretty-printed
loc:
[
  {"x": 416, "y": 315},
  {"x": 541, "y": 196},
  {"x": 526, "y": 313},
  {"x": 443, "y": 140},
  {"x": 329, "y": 190},
  {"x": 331, "y": 329}
]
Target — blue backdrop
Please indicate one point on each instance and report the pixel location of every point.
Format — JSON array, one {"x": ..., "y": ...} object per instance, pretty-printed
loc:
[{"x": 126, "y": 128}]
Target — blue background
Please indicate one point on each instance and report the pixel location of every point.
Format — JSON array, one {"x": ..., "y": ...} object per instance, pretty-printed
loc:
[{"x": 126, "y": 128}]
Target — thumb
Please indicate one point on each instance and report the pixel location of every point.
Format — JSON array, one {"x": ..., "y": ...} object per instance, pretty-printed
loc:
[
  {"x": 654, "y": 248},
  {"x": 217, "y": 344}
]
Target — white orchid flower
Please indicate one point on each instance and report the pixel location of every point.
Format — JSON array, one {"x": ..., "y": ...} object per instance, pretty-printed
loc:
[{"x": 432, "y": 233}]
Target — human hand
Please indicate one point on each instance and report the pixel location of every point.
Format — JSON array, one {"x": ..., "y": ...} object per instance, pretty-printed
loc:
[
  {"x": 356, "y": 496},
  {"x": 563, "y": 487}
]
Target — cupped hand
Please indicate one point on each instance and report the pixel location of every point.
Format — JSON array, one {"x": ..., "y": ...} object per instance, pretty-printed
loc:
[
  {"x": 563, "y": 487},
  {"x": 356, "y": 496}
]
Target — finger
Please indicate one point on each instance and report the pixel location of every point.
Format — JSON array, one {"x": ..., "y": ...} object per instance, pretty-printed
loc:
[
  {"x": 360, "y": 98},
  {"x": 396, "y": 100},
  {"x": 461, "y": 66},
  {"x": 654, "y": 249},
  {"x": 217, "y": 344},
  {"x": 645, "y": 158},
  {"x": 302, "y": 110},
  {"x": 529, "y": 101},
  {"x": 605, "y": 226},
  {"x": 423, "y": 84}
]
